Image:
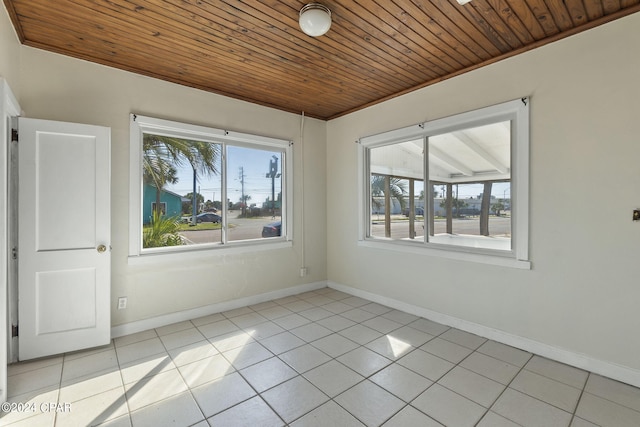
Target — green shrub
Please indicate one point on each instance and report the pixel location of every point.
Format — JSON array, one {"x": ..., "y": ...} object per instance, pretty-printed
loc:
[{"x": 162, "y": 232}]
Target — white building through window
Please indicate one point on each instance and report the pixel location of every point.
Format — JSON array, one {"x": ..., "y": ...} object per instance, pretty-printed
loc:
[{"x": 456, "y": 186}]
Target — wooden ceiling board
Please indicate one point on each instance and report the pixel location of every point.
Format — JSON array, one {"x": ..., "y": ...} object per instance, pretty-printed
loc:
[{"x": 254, "y": 51}]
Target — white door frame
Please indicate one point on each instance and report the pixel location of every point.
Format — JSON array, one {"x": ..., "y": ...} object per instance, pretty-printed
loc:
[{"x": 9, "y": 109}]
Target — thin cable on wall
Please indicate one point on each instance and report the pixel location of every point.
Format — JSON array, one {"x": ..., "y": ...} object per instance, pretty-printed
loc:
[{"x": 302, "y": 216}]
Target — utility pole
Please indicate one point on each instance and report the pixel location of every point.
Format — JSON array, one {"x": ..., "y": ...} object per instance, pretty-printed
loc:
[
  {"x": 273, "y": 174},
  {"x": 243, "y": 202},
  {"x": 194, "y": 200}
]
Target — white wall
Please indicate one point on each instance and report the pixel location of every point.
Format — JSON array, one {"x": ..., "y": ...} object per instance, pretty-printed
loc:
[
  {"x": 56, "y": 87},
  {"x": 583, "y": 291},
  {"x": 9, "y": 51}
]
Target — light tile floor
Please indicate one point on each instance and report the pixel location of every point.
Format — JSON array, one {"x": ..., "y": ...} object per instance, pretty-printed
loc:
[{"x": 322, "y": 358}]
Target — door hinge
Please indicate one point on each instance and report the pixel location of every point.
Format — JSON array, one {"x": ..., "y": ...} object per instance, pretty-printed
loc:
[
  {"x": 14, "y": 253},
  {"x": 14, "y": 331},
  {"x": 14, "y": 135}
]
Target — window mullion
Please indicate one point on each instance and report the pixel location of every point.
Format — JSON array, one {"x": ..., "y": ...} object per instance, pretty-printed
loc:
[
  {"x": 367, "y": 193},
  {"x": 427, "y": 217},
  {"x": 223, "y": 201}
]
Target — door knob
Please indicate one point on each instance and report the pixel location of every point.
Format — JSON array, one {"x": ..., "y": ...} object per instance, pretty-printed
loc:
[{"x": 101, "y": 248}]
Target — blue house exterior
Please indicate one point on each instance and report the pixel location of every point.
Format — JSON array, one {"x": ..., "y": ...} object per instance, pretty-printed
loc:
[{"x": 171, "y": 203}]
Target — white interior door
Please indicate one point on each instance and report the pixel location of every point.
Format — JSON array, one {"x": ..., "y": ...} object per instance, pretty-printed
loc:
[{"x": 64, "y": 260}]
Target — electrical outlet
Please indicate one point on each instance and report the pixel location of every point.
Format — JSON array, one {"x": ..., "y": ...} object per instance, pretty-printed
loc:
[
  {"x": 303, "y": 271},
  {"x": 636, "y": 214},
  {"x": 122, "y": 303}
]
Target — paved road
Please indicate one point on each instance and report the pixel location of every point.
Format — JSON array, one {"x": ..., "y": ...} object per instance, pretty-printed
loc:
[
  {"x": 251, "y": 228},
  {"x": 240, "y": 229},
  {"x": 498, "y": 226}
]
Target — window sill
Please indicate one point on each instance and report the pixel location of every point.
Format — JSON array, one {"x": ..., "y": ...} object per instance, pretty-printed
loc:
[
  {"x": 189, "y": 254},
  {"x": 476, "y": 242},
  {"x": 456, "y": 253}
]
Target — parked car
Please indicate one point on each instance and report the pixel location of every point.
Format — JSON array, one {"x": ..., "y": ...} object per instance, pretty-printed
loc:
[
  {"x": 273, "y": 229},
  {"x": 208, "y": 217},
  {"x": 419, "y": 212}
]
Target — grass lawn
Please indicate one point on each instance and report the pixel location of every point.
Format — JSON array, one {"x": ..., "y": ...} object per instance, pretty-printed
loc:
[{"x": 200, "y": 226}]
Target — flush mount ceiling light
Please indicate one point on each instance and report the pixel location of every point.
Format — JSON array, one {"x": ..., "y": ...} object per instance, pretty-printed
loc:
[
  {"x": 463, "y": 2},
  {"x": 315, "y": 19}
]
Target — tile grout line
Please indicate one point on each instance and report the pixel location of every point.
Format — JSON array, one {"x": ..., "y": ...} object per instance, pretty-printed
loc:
[
  {"x": 204, "y": 418},
  {"x": 582, "y": 391},
  {"x": 147, "y": 377},
  {"x": 301, "y": 375},
  {"x": 259, "y": 394},
  {"x": 584, "y": 387},
  {"x": 333, "y": 359},
  {"x": 405, "y": 404},
  {"x": 64, "y": 359},
  {"x": 505, "y": 389},
  {"x": 443, "y": 375},
  {"x": 368, "y": 378},
  {"x": 124, "y": 385},
  {"x": 609, "y": 400}
]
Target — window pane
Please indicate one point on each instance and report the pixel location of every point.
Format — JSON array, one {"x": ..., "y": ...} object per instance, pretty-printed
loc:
[
  {"x": 457, "y": 173},
  {"x": 184, "y": 177},
  {"x": 470, "y": 177},
  {"x": 397, "y": 191},
  {"x": 255, "y": 193}
]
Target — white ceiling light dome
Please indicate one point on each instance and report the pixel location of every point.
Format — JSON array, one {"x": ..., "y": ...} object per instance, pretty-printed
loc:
[{"x": 315, "y": 19}]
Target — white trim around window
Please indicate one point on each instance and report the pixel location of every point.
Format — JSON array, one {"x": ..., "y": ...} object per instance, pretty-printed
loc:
[
  {"x": 140, "y": 125},
  {"x": 514, "y": 115}
]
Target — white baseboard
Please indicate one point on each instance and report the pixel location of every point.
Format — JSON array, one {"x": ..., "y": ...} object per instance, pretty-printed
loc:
[
  {"x": 611, "y": 370},
  {"x": 168, "y": 319}
]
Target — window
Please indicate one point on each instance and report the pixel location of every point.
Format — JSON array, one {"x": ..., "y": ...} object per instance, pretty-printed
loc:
[
  {"x": 163, "y": 207},
  {"x": 458, "y": 185},
  {"x": 214, "y": 188}
]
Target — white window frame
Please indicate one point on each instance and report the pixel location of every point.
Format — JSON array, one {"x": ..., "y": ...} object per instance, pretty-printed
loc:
[
  {"x": 517, "y": 112},
  {"x": 140, "y": 125}
]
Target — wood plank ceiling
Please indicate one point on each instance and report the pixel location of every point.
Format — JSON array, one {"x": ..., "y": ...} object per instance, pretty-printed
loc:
[{"x": 255, "y": 51}]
